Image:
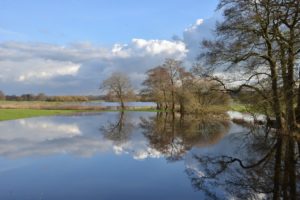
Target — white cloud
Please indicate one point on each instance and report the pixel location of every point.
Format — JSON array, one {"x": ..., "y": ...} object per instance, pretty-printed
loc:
[
  {"x": 78, "y": 68},
  {"x": 195, "y": 26},
  {"x": 47, "y": 70},
  {"x": 154, "y": 47}
]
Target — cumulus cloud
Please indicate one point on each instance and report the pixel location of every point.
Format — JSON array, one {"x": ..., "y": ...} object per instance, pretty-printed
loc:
[
  {"x": 157, "y": 47},
  {"x": 78, "y": 68}
]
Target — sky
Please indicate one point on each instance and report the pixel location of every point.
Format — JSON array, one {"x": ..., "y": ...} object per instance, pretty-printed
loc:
[{"x": 69, "y": 47}]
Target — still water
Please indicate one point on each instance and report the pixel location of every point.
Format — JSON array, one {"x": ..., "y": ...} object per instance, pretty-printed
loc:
[
  {"x": 116, "y": 104},
  {"x": 139, "y": 155}
]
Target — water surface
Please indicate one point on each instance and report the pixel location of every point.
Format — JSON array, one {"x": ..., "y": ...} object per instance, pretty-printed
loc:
[
  {"x": 116, "y": 104},
  {"x": 133, "y": 155}
]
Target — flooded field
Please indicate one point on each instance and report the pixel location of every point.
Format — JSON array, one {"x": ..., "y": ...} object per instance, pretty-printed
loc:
[{"x": 139, "y": 155}]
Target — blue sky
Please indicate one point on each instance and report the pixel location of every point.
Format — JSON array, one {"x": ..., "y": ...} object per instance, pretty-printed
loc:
[
  {"x": 99, "y": 21},
  {"x": 69, "y": 46}
]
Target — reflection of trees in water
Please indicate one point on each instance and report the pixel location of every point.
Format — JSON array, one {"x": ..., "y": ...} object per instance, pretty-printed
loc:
[
  {"x": 119, "y": 130},
  {"x": 174, "y": 135},
  {"x": 269, "y": 167}
]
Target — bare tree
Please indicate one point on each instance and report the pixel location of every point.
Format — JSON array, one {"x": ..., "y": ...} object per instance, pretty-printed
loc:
[
  {"x": 260, "y": 40},
  {"x": 119, "y": 86},
  {"x": 173, "y": 68},
  {"x": 156, "y": 86}
]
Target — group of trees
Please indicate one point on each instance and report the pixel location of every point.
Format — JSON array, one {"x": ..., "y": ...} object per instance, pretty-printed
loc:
[
  {"x": 174, "y": 88},
  {"x": 260, "y": 40},
  {"x": 171, "y": 87}
]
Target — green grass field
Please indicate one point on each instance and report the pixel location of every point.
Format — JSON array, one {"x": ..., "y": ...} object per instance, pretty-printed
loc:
[{"x": 10, "y": 114}]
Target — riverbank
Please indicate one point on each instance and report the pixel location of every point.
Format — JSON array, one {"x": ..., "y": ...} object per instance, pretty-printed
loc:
[
  {"x": 240, "y": 108},
  {"x": 10, "y": 114}
]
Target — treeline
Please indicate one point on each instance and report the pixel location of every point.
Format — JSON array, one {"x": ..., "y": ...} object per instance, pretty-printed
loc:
[{"x": 44, "y": 97}]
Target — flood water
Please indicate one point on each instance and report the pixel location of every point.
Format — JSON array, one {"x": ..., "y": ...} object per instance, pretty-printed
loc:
[
  {"x": 116, "y": 104},
  {"x": 143, "y": 155}
]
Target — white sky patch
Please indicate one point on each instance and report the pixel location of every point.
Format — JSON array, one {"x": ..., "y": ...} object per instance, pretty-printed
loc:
[
  {"x": 155, "y": 47},
  {"x": 39, "y": 131},
  {"x": 138, "y": 76},
  {"x": 36, "y": 69},
  {"x": 119, "y": 50},
  {"x": 195, "y": 26},
  {"x": 49, "y": 73}
]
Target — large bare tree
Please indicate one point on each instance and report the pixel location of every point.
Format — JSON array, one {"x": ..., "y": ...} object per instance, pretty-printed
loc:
[
  {"x": 119, "y": 86},
  {"x": 259, "y": 40}
]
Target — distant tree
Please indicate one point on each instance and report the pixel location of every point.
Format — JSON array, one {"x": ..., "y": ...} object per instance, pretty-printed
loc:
[
  {"x": 2, "y": 95},
  {"x": 67, "y": 98},
  {"x": 41, "y": 97},
  {"x": 27, "y": 97},
  {"x": 119, "y": 86}
]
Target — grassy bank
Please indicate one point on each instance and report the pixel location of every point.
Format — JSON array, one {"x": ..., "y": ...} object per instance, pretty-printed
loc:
[
  {"x": 10, "y": 110},
  {"x": 10, "y": 114},
  {"x": 239, "y": 107}
]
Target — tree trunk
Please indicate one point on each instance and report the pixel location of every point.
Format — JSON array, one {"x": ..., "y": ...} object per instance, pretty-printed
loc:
[
  {"x": 292, "y": 169},
  {"x": 291, "y": 119},
  {"x": 275, "y": 97},
  {"x": 165, "y": 100},
  {"x": 298, "y": 103},
  {"x": 182, "y": 109},
  {"x": 274, "y": 78},
  {"x": 173, "y": 101},
  {"x": 122, "y": 104},
  {"x": 277, "y": 170},
  {"x": 286, "y": 169}
]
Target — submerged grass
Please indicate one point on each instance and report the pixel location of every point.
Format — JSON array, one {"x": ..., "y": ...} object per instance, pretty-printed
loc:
[
  {"x": 239, "y": 107},
  {"x": 10, "y": 114}
]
